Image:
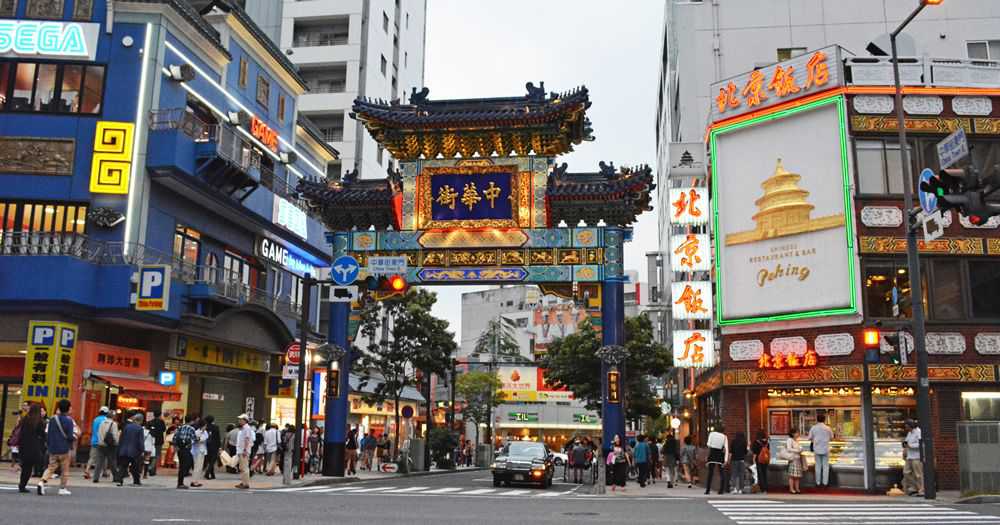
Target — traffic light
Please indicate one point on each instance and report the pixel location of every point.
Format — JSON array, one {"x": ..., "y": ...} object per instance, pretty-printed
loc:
[
  {"x": 964, "y": 190},
  {"x": 898, "y": 354},
  {"x": 386, "y": 284},
  {"x": 870, "y": 337}
]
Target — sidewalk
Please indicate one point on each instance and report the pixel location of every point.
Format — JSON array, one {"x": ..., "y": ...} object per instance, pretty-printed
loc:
[{"x": 167, "y": 478}]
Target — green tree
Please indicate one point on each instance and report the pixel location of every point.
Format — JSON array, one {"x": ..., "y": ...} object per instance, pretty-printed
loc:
[
  {"x": 479, "y": 391},
  {"x": 415, "y": 340},
  {"x": 442, "y": 443},
  {"x": 499, "y": 337},
  {"x": 572, "y": 362}
]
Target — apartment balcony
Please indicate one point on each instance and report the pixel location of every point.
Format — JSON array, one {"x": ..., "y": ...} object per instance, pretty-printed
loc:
[
  {"x": 193, "y": 156},
  {"x": 319, "y": 39}
]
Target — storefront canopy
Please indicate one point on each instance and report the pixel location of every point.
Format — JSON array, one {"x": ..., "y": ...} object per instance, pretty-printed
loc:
[{"x": 141, "y": 388}]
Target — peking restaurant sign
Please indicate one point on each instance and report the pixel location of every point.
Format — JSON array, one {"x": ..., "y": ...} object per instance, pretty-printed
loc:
[{"x": 803, "y": 75}]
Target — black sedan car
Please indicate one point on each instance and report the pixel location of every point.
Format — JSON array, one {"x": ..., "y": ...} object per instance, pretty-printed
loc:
[{"x": 523, "y": 462}]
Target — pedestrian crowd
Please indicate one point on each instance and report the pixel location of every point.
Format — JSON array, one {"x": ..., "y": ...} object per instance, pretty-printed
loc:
[{"x": 124, "y": 445}]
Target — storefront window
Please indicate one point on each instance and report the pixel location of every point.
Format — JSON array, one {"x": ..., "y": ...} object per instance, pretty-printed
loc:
[
  {"x": 187, "y": 244},
  {"x": 878, "y": 166},
  {"x": 984, "y": 278},
  {"x": 947, "y": 291},
  {"x": 24, "y": 83},
  {"x": 16, "y": 217},
  {"x": 93, "y": 90},
  {"x": 981, "y": 406},
  {"x": 45, "y": 88},
  {"x": 51, "y": 88},
  {"x": 5, "y": 69},
  {"x": 880, "y": 277},
  {"x": 69, "y": 92}
]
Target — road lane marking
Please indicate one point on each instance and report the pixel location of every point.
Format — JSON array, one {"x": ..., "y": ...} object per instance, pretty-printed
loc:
[
  {"x": 444, "y": 490},
  {"x": 477, "y": 491},
  {"x": 367, "y": 489},
  {"x": 404, "y": 490},
  {"x": 334, "y": 489}
]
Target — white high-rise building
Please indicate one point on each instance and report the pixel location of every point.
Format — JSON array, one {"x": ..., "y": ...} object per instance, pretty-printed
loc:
[
  {"x": 711, "y": 40},
  {"x": 345, "y": 49}
]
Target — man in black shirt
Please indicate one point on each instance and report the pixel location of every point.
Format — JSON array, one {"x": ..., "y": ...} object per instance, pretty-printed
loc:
[
  {"x": 157, "y": 429},
  {"x": 212, "y": 446}
]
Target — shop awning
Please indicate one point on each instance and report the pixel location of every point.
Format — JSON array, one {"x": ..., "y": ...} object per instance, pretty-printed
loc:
[{"x": 141, "y": 388}]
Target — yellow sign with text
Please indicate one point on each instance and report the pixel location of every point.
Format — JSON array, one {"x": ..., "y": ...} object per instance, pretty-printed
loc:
[
  {"x": 48, "y": 367},
  {"x": 215, "y": 354}
]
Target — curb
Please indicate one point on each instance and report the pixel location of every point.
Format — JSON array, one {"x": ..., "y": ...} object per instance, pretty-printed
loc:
[
  {"x": 354, "y": 479},
  {"x": 979, "y": 500}
]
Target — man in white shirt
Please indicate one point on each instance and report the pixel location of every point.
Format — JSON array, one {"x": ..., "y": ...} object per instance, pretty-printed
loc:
[
  {"x": 718, "y": 452},
  {"x": 271, "y": 437},
  {"x": 820, "y": 436},
  {"x": 913, "y": 469},
  {"x": 244, "y": 443}
]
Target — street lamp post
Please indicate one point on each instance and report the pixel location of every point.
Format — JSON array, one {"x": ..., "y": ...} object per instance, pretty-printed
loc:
[{"x": 913, "y": 263}]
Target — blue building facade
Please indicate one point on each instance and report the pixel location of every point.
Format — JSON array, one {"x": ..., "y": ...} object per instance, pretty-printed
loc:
[{"x": 148, "y": 133}]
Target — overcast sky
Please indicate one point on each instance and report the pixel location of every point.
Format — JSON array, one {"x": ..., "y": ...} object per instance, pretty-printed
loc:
[{"x": 478, "y": 48}]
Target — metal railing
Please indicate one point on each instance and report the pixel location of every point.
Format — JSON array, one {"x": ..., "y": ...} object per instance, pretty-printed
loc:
[
  {"x": 924, "y": 71},
  {"x": 284, "y": 186},
  {"x": 222, "y": 282},
  {"x": 187, "y": 122},
  {"x": 326, "y": 86},
  {"x": 332, "y": 134},
  {"x": 319, "y": 39}
]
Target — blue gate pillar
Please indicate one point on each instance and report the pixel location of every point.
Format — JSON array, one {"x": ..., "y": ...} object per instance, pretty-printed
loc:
[
  {"x": 338, "y": 377},
  {"x": 613, "y": 334}
]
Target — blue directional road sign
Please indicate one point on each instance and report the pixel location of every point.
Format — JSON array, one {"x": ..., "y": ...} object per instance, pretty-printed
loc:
[
  {"x": 345, "y": 270},
  {"x": 928, "y": 201}
]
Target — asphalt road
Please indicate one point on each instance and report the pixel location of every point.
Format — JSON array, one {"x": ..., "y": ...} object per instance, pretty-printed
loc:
[{"x": 458, "y": 498}]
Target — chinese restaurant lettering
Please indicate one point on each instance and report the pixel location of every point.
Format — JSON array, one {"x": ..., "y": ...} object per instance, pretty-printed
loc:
[
  {"x": 779, "y": 361},
  {"x": 799, "y": 76}
]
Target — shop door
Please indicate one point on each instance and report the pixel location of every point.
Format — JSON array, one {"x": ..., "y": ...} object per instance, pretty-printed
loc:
[{"x": 222, "y": 398}]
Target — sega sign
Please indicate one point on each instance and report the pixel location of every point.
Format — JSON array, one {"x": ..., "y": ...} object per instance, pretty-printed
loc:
[
  {"x": 48, "y": 39},
  {"x": 154, "y": 288}
]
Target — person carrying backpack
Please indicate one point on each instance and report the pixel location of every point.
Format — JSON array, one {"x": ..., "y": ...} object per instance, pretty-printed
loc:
[
  {"x": 761, "y": 450},
  {"x": 183, "y": 440},
  {"x": 106, "y": 437}
]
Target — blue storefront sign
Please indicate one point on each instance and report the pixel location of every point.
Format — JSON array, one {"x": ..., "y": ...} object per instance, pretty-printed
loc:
[{"x": 154, "y": 288}]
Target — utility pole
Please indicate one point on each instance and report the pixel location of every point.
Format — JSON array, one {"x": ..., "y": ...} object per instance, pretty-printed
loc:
[
  {"x": 307, "y": 284},
  {"x": 913, "y": 262},
  {"x": 430, "y": 422}
]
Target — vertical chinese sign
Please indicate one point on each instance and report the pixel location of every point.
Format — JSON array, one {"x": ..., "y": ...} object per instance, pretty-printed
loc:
[
  {"x": 691, "y": 293},
  {"x": 48, "y": 369}
]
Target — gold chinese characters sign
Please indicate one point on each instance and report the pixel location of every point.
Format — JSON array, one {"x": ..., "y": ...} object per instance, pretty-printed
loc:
[
  {"x": 473, "y": 196},
  {"x": 797, "y": 77}
]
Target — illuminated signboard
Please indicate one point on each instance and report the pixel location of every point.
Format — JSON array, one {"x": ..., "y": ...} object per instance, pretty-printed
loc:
[
  {"x": 279, "y": 254},
  {"x": 43, "y": 39},
  {"x": 691, "y": 299},
  {"x": 761, "y": 88},
  {"x": 473, "y": 196},
  {"x": 290, "y": 216},
  {"x": 263, "y": 133},
  {"x": 694, "y": 349},
  {"x": 692, "y": 252},
  {"x": 779, "y": 361},
  {"x": 689, "y": 206}
]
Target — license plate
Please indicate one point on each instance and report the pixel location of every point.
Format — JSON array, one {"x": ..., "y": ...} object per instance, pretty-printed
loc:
[{"x": 518, "y": 477}]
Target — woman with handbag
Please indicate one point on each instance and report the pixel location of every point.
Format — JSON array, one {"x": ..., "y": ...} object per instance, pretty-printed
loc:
[
  {"x": 793, "y": 454},
  {"x": 619, "y": 461}
]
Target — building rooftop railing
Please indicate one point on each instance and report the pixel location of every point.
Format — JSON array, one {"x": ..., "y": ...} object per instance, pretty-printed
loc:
[
  {"x": 222, "y": 282},
  {"x": 923, "y": 71}
]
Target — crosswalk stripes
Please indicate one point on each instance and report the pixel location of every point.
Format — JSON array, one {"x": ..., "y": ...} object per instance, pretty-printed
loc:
[
  {"x": 770, "y": 512},
  {"x": 393, "y": 490}
]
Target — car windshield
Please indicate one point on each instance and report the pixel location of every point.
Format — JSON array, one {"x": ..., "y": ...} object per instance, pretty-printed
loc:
[{"x": 526, "y": 449}]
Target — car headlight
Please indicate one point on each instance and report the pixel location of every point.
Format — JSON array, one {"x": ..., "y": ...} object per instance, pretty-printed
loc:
[{"x": 499, "y": 465}]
